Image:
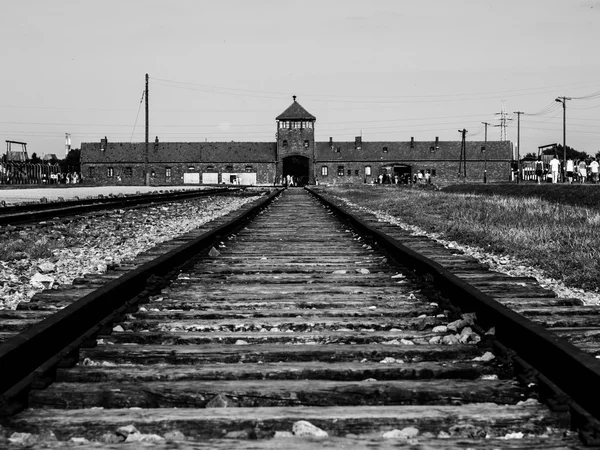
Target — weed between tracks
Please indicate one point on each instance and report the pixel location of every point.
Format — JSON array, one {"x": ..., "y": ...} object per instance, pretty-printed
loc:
[{"x": 560, "y": 239}]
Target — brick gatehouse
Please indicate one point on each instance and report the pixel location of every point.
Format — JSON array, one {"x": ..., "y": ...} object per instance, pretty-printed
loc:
[{"x": 294, "y": 154}]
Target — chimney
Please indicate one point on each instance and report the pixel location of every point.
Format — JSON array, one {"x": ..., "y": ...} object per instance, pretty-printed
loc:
[
  {"x": 330, "y": 142},
  {"x": 358, "y": 142},
  {"x": 437, "y": 143},
  {"x": 412, "y": 142}
]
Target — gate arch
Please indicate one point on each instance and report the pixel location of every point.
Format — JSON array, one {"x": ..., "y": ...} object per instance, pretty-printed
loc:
[{"x": 298, "y": 167}]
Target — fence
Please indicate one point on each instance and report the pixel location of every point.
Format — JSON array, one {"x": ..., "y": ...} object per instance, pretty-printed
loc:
[{"x": 13, "y": 172}]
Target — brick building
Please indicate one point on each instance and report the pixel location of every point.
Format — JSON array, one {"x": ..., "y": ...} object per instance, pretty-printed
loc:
[{"x": 295, "y": 153}]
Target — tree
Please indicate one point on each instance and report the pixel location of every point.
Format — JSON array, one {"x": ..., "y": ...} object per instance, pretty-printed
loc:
[
  {"x": 571, "y": 153},
  {"x": 35, "y": 159},
  {"x": 598, "y": 155},
  {"x": 72, "y": 162},
  {"x": 530, "y": 157}
]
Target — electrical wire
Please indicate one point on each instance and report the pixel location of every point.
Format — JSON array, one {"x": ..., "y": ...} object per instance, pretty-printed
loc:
[
  {"x": 137, "y": 116},
  {"x": 215, "y": 89}
]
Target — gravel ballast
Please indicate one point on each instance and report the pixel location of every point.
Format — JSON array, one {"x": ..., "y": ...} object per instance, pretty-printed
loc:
[
  {"x": 90, "y": 245},
  {"x": 502, "y": 264}
]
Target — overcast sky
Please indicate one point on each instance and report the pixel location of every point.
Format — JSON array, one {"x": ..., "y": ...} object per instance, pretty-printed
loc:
[{"x": 223, "y": 70}]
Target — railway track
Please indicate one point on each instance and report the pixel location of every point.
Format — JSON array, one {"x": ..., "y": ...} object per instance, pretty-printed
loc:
[
  {"x": 35, "y": 212},
  {"x": 296, "y": 318}
]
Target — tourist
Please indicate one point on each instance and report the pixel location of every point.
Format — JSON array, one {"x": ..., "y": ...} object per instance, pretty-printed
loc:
[
  {"x": 594, "y": 170},
  {"x": 582, "y": 171},
  {"x": 539, "y": 169},
  {"x": 554, "y": 168},
  {"x": 570, "y": 170}
]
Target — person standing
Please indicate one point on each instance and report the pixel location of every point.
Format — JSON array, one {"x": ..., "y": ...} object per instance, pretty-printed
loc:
[
  {"x": 554, "y": 168},
  {"x": 539, "y": 169},
  {"x": 570, "y": 170},
  {"x": 582, "y": 171},
  {"x": 594, "y": 170}
]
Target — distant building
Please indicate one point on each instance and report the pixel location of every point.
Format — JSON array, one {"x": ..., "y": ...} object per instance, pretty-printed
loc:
[
  {"x": 49, "y": 157},
  {"x": 296, "y": 154}
]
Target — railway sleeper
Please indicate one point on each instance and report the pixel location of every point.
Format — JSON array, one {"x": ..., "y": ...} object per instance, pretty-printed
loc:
[{"x": 475, "y": 421}]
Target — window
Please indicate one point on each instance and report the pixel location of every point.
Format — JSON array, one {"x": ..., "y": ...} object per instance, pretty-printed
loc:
[
  {"x": 385, "y": 149},
  {"x": 208, "y": 168},
  {"x": 356, "y": 172},
  {"x": 340, "y": 171},
  {"x": 324, "y": 171},
  {"x": 228, "y": 168},
  {"x": 152, "y": 173},
  {"x": 349, "y": 172},
  {"x": 248, "y": 169},
  {"x": 306, "y": 143},
  {"x": 168, "y": 172},
  {"x": 110, "y": 172},
  {"x": 91, "y": 172},
  {"x": 193, "y": 168},
  {"x": 284, "y": 143},
  {"x": 128, "y": 172},
  {"x": 368, "y": 171},
  {"x": 433, "y": 172},
  {"x": 338, "y": 149}
]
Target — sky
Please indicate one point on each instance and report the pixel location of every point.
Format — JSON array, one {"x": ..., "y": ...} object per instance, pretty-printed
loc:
[{"x": 386, "y": 70}]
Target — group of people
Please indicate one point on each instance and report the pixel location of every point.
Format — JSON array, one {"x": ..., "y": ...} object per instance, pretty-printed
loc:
[
  {"x": 421, "y": 176},
  {"x": 61, "y": 178},
  {"x": 580, "y": 170}
]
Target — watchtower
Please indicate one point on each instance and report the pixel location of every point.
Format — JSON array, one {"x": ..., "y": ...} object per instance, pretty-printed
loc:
[
  {"x": 16, "y": 155},
  {"x": 296, "y": 144}
]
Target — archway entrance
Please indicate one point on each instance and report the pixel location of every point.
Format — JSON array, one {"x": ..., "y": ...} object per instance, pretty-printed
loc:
[
  {"x": 403, "y": 172},
  {"x": 297, "y": 167}
]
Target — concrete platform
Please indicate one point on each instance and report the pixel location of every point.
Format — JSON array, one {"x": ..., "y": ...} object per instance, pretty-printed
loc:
[{"x": 12, "y": 195}]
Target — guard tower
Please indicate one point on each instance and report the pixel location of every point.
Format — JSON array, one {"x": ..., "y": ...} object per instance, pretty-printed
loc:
[
  {"x": 296, "y": 144},
  {"x": 19, "y": 155}
]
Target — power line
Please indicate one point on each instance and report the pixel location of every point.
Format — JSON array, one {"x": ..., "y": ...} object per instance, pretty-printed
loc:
[
  {"x": 136, "y": 117},
  {"x": 239, "y": 90}
]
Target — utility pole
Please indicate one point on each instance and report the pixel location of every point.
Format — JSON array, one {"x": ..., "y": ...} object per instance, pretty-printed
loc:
[
  {"x": 146, "y": 148},
  {"x": 518, "y": 113},
  {"x": 484, "y": 150},
  {"x": 486, "y": 125},
  {"x": 463, "y": 155},
  {"x": 563, "y": 100}
]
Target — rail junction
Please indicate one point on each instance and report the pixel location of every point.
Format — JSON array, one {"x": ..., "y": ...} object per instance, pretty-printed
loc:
[{"x": 295, "y": 309}]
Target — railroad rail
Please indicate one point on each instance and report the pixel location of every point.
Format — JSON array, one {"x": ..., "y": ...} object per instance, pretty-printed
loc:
[
  {"x": 35, "y": 212},
  {"x": 297, "y": 310}
]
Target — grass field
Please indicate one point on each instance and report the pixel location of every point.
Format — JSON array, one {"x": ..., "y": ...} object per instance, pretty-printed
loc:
[
  {"x": 587, "y": 195},
  {"x": 555, "y": 228}
]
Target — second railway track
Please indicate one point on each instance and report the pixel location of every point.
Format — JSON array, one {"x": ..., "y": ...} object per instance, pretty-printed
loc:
[{"x": 295, "y": 318}]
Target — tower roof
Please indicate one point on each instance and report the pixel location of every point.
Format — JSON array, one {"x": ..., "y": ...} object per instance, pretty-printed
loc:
[{"x": 295, "y": 112}]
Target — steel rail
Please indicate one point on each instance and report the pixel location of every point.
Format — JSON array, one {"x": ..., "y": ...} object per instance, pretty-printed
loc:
[
  {"x": 574, "y": 371},
  {"x": 23, "y": 354}
]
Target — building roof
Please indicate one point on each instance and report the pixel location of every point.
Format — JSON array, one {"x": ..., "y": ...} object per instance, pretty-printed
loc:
[
  {"x": 295, "y": 112},
  {"x": 394, "y": 151},
  {"x": 180, "y": 152}
]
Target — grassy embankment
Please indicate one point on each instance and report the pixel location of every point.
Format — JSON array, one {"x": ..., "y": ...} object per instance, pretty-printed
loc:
[{"x": 541, "y": 225}]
